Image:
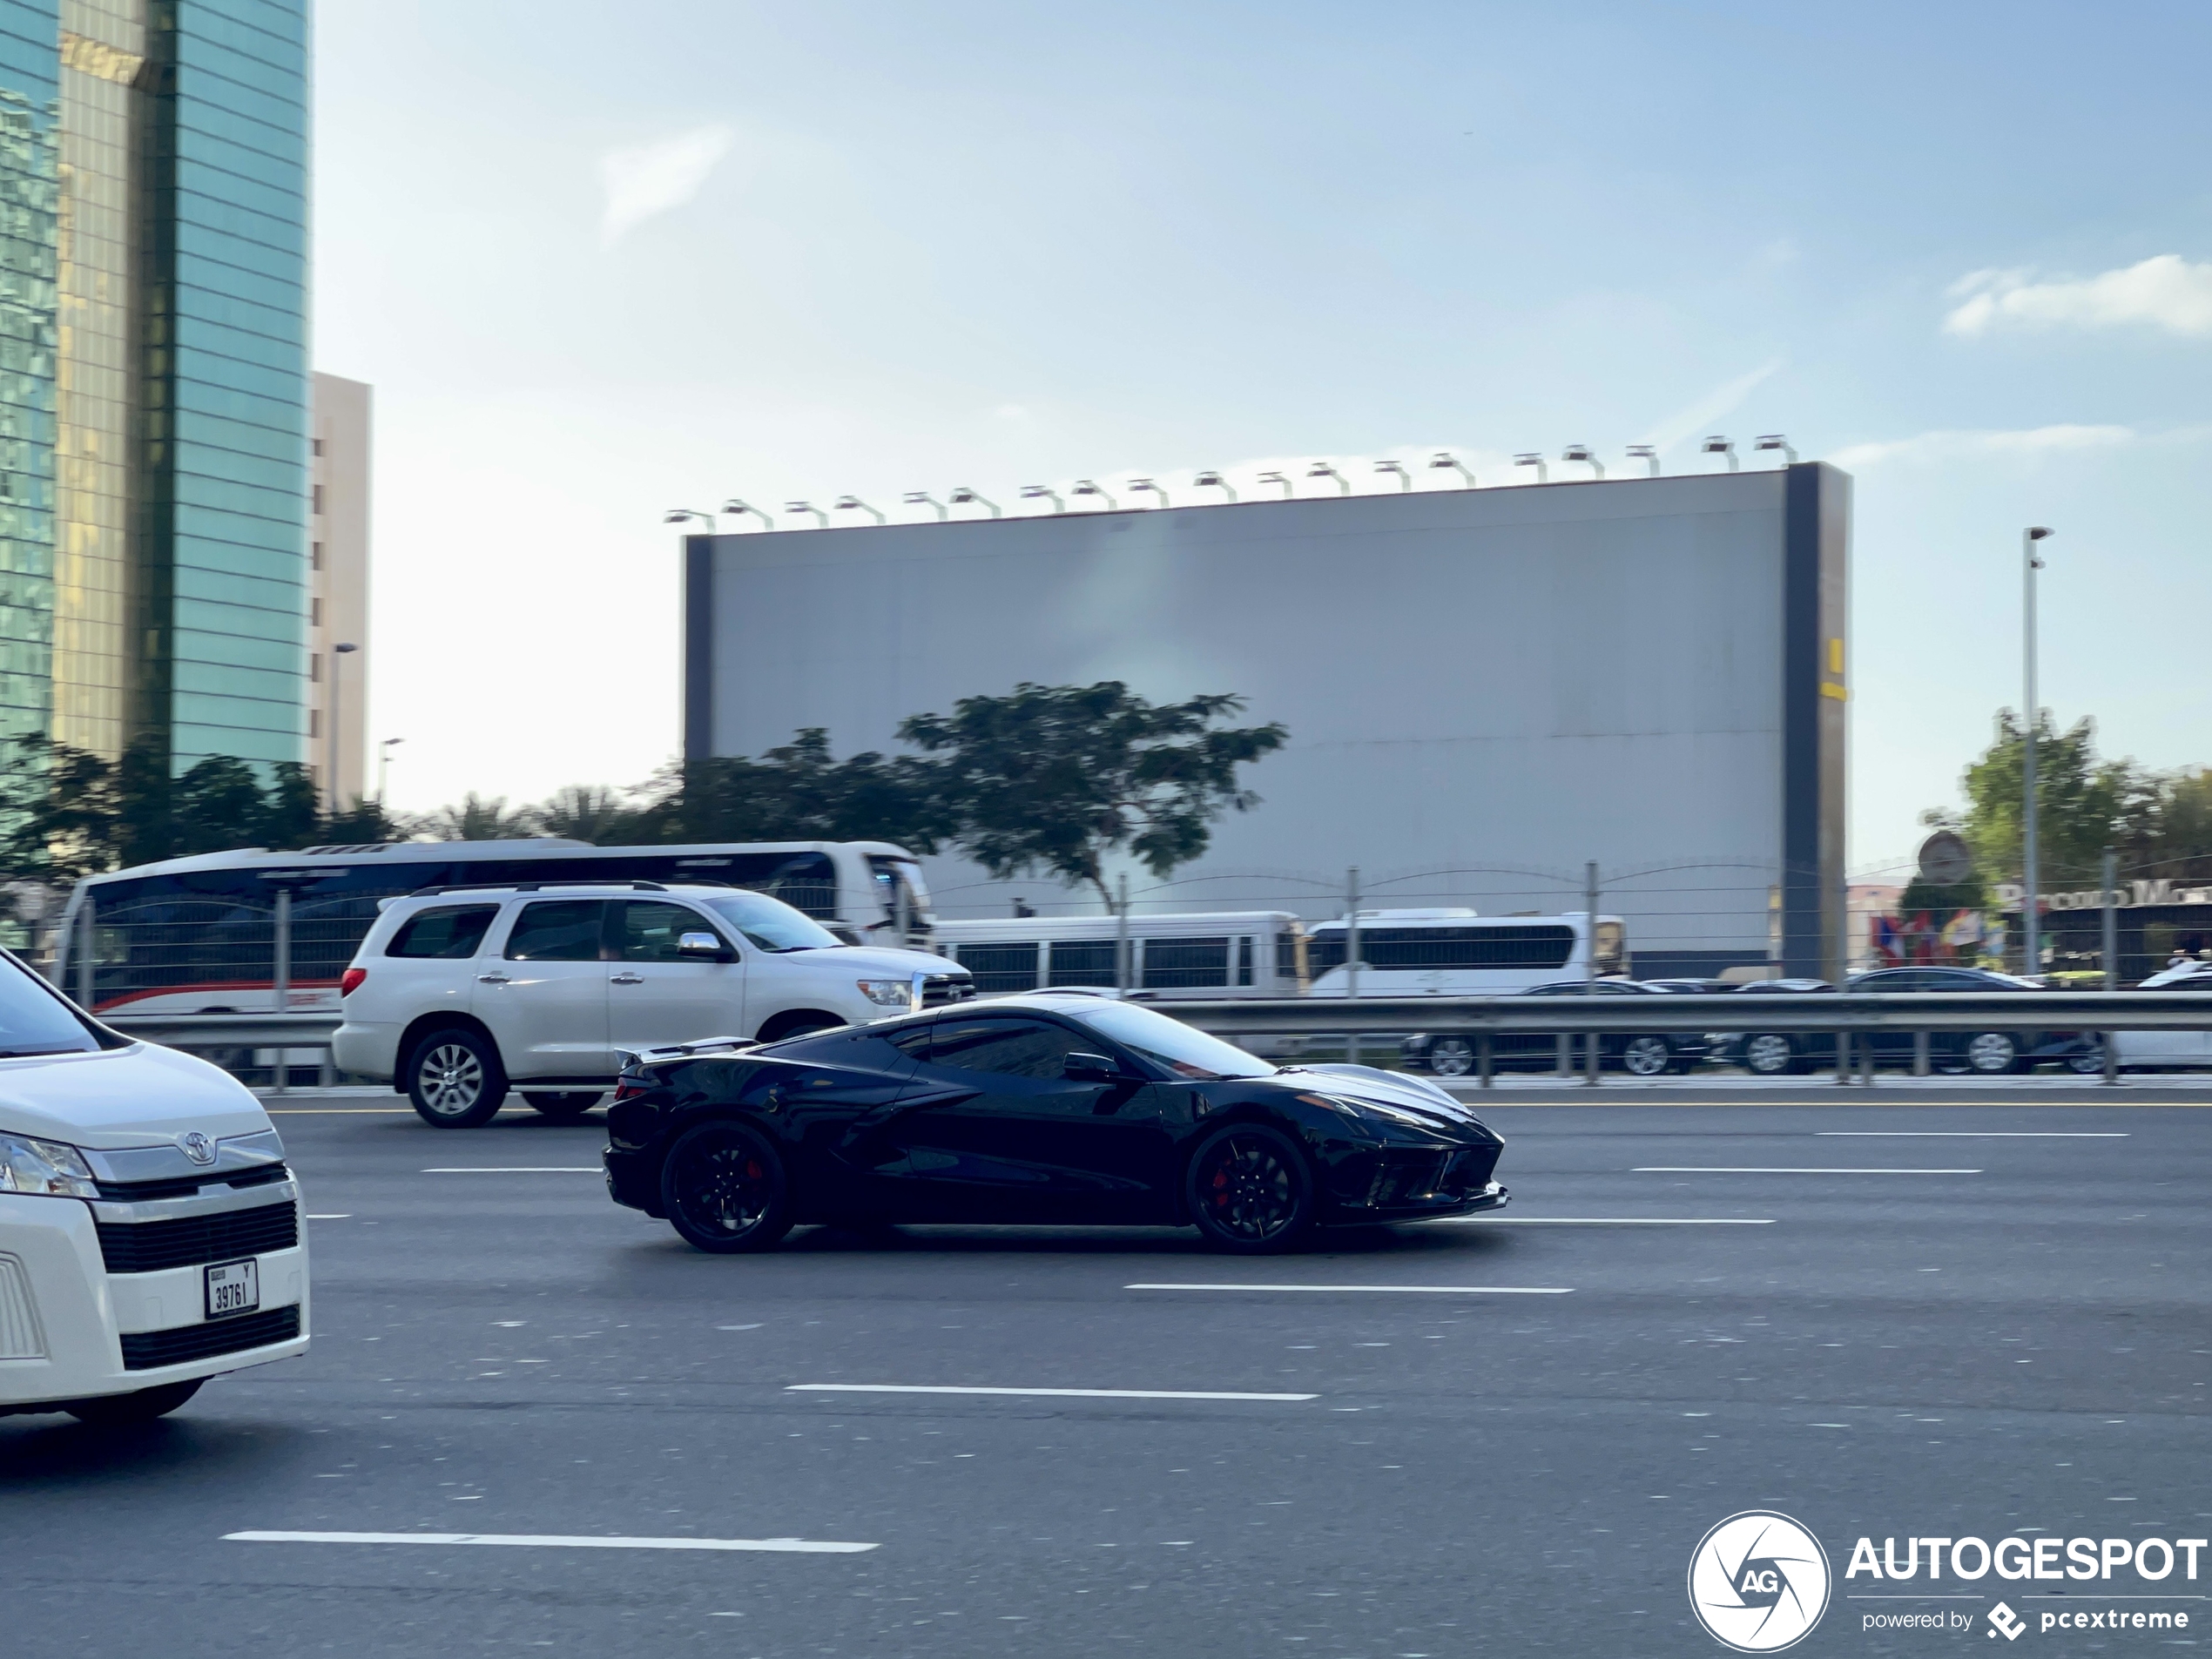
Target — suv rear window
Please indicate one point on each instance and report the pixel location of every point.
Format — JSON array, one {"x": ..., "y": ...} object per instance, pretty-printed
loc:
[{"x": 449, "y": 930}]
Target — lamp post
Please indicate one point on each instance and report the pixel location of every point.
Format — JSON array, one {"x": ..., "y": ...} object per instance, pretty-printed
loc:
[
  {"x": 337, "y": 655},
  {"x": 2031, "y": 911},
  {"x": 1647, "y": 454},
  {"x": 384, "y": 765}
]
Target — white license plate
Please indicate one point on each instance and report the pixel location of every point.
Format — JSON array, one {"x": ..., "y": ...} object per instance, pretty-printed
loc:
[{"x": 233, "y": 1287}]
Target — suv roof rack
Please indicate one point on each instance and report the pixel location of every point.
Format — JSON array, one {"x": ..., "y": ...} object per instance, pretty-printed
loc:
[{"x": 531, "y": 886}]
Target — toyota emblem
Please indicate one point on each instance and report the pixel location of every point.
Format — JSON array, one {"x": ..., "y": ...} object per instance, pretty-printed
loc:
[{"x": 199, "y": 1148}]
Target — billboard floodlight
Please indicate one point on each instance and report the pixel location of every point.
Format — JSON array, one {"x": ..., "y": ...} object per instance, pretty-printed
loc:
[
  {"x": 821, "y": 518},
  {"x": 923, "y": 498},
  {"x": 964, "y": 496},
  {"x": 678, "y": 514},
  {"x": 1776, "y": 440},
  {"x": 1142, "y": 485},
  {"x": 1214, "y": 481},
  {"x": 1717, "y": 445},
  {"x": 1043, "y": 492},
  {"x": 1535, "y": 460},
  {"x": 1444, "y": 459},
  {"x": 1582, "y": 452},
  {"x": 741, "y": 508},
  {"x": 1648, "y": 455},
  {"x": 854, "y": 504},
  {"x": 1289, "y": 488},
  {"x": 1084, "y": 486},
  {"x": 1323, "y": 469},
  {"x": 1405, "y": 478}
]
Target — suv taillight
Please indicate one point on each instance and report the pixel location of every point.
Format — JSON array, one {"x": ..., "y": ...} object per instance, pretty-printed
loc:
[{"x": 350, "y": 981}]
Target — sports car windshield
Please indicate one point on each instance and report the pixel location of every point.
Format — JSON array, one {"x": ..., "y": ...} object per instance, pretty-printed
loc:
[
  {"x": 770, "y": 923},
  {"x": 1182, "y": 1051}
]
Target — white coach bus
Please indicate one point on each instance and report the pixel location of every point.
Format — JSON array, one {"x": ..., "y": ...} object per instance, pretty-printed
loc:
[
  {"x": 1224, "y": 954},
  {"x": 1459, "y": 953},
  {"x": 200, "y": 934}
]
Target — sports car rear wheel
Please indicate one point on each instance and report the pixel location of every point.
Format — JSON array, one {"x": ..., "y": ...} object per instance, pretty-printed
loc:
[
  {"x": 724, "y": 1189},
  {"x": 1251, "y": 1191}
]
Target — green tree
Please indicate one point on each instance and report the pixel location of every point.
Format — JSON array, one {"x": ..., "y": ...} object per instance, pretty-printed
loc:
[
  {"x": 2083, "y": 804},
  {"x": 364, "y": 822},
  {"x": 798, "y": 792},
  {"x": 291, "y": 807},
  {"x": 587, "y": 812},
  {"x": 477, "y": 820},
  {"x": 1054, "y": 778}
]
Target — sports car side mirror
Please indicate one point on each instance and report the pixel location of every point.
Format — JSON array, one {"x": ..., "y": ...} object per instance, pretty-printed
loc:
[{"x": 1089, "y": 1068}]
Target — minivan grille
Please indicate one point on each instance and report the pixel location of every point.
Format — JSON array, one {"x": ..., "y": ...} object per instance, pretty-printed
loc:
[
  {"x": 151, "y": 1350},
  {"x": 188, "y": 1186},
  {"x": 150, "y": 1246}
]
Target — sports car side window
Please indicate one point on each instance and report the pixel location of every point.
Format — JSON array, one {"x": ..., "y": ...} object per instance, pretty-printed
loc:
[{"x": 1007, "y": 1048}]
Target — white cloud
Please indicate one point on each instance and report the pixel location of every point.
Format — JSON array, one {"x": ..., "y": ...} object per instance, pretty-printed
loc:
[
  {"x": 2167, "y": 291},
  {"x": 1956, "y": 445},
  {"x": 653, "y": 178},
  {"x": 1694, "y": 418}
]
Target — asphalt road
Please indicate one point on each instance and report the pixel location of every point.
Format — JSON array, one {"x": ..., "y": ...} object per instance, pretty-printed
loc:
[{"x": 2018, "y": 1342}]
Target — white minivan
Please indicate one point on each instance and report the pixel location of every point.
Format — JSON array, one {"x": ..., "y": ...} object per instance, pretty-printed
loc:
[
  {"x": 150, "y": 1231},
  {"x": 458, "y": 992}
]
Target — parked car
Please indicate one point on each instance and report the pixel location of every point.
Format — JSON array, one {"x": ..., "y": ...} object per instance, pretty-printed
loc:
[
  {"x": 1987, "y": 1052},
  {"x": 457, "y": 993},
  {"x": 1041, "y": 1108},
  {"x": 1641, "y": 1055},
  {"x": 2169, "y": 1050},
  {"x": 149, "y": 1229}
]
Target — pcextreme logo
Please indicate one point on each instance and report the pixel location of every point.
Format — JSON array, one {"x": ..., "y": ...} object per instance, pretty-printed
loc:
[{"x": 1758, "y": 1582}]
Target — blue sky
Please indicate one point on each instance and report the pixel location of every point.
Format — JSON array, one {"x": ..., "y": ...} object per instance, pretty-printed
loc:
[{"x": 598, "y": 261}]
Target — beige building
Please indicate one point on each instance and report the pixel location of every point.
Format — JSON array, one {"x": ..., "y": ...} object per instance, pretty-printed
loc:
[{"x": 338, "y": 601}]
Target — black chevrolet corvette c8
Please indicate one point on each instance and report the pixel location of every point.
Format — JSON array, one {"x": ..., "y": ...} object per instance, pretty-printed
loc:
[{"x": 1052, "y": 1107}]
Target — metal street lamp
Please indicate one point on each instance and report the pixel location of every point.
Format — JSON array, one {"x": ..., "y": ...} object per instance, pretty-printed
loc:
[
  {"x": 854, "y": 504},
  {"x": 821, "y": 518},
  {"x": 964, "y": 496},
  {"x": 339, "y": 652},
  {"x": 1142, "y": 485},
  {"x": 1043, "y": 492},
  {"x": 1717, "y": 445},
  {"x": 1084, "y": 486},
  {"x": 923, "y": 498},
  {"x": 2031, "y": 909},
  {"x": 1289, "y": 488},
  {"x": 678, "y": 515},
  {"x": 1531, "y": 460},
  {"x": 1323, "y": 469},
  {"x": 1776, "y": 440},
  {"x": 741, "y": 508},
  {"x": 1214, "y": 481},
  {"x": 1582, "y": 452},
  {"x": 1443, "y": 459},
  {"x": 1405, "y": 478},
  {"x": 1646, "y": 455},
  {"x": 384, "y": 765}
]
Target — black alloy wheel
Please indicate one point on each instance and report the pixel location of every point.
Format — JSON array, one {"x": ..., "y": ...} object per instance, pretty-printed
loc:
[
  {"x": 1770, "y": 1054},
  {"x": 1646, "y": 1056},
  {"x": 454, "y": 1078},
  {"x": 1451, "y": 1056},
  {"x": 564, "y": 1107},
  {"x": 2088, "y": 1060},
  {"x": 1251, "y": 1191},
  {"x": 724, "y": 1189},
  {"x": 128, "y": 1411}
]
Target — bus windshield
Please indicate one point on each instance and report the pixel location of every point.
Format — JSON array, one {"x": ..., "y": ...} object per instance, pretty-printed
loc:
[{"x": 770, "y": 924}]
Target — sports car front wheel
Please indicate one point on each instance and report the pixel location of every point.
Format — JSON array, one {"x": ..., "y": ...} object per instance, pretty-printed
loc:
[
  {"x": 723, "y": 1190},
  {"x": 1251, "y": 1191}
]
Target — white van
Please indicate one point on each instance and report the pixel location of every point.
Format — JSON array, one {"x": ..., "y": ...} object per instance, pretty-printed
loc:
[
  {"x": 1216, "y": 954},
  {"x": 150, "y": 1232},
  {"x": 456, "y": 994},
  {"x": 1459, "y": 953}
]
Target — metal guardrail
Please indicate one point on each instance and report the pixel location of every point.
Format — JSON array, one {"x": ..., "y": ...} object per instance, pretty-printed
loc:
[{"x": 199, "y": 1031}]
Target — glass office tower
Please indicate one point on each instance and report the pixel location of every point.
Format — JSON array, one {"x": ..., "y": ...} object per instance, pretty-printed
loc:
[{"x": 153, "y": 379}]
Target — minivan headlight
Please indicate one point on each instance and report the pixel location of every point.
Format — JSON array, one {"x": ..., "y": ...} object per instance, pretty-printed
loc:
[
  {"x": 887, "y": 992},
  {"x": 45, "y": 1167}
]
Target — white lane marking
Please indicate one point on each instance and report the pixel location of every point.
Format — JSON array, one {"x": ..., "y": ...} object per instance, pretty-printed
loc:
[
  {"x": 1986, "y": 1134},
  {"x": 529, "y": 1541},
  {"x": 1608, "y": 1221},
  {"x": 519, "y": 1169},
  {"x": 1753, "y": 1169},
  {"x": 312, "y": 1216},
  {"x": 1382, "y": 1290},
  {"x": 1069, "y": 1393}
]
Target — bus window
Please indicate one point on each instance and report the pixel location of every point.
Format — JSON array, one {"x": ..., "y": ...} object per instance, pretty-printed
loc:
[
  {"x": 1000, "y": 968},
  {"x": 1081, "y": 962},
  {"x": 1179, "y": 964},
  {"x": 1243, "y": 961}
]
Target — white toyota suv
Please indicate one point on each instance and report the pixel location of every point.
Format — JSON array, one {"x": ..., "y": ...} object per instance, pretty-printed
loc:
[{"x": 459, "y": 992}]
